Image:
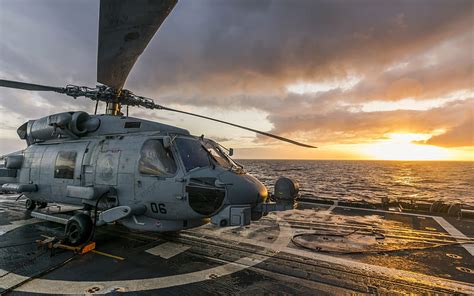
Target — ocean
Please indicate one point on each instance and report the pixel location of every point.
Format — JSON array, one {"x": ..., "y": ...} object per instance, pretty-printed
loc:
[{"x": 370, "y": 180}]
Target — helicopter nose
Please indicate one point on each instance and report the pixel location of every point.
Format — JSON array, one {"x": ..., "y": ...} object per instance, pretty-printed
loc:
[{"x": 243, "y": 189}]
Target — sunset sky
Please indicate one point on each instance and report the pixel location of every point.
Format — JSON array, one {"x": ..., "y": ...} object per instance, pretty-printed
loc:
[{"x": 359, "y": 79}]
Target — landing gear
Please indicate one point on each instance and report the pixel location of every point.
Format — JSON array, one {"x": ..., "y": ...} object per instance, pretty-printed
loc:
[
  {"x": 30, "y": 205},
  {"x": 78, "y": 229}
]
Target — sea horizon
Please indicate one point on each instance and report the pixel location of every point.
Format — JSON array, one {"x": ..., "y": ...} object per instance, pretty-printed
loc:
[{"x": 370, "y": 180}]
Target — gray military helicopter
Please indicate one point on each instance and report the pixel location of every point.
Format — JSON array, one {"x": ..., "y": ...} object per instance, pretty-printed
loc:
[{"x": 145, "y": 175}]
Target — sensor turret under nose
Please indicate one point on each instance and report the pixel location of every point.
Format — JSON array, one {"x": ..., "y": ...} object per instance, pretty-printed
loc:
[
  {"x": 244, "y": 193},
  {"x": 243, "y": 189}
]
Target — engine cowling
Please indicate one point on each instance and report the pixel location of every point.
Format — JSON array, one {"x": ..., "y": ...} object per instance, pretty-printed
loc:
[{"x": 66, "y": 124}]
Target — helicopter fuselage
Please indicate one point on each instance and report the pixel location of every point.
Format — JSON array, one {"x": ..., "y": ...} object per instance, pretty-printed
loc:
[{"x": 164, "y": 177}]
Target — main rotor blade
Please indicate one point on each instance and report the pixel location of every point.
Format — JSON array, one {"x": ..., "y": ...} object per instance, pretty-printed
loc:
[
  {"x": 240, "y": 126},
  {"x": 29, "y": 86},
  {"x": 125, "y": 29},
  {"x": 106, "y": 94}
]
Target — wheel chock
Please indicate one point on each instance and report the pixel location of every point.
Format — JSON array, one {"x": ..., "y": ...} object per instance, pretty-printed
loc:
[{"x": 54, "y": 243}]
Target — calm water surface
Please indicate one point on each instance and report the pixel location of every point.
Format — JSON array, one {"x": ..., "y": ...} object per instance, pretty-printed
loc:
[{"x": 370, "y": 180}]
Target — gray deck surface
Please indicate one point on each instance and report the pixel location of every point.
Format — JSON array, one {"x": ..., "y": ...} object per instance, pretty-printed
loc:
[{"x": 254, "y": 260}]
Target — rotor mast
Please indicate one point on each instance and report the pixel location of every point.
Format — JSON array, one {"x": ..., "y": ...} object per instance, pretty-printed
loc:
[{"x": 114, "y": 109}]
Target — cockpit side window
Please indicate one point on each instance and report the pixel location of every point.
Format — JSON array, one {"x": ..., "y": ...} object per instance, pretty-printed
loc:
[
  {"x": 217, "y": 155},
  {"x": 156, "y": 160}
]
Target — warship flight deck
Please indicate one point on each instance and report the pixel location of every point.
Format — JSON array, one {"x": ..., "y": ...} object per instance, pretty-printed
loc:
[{"x": 318, "y": 249}]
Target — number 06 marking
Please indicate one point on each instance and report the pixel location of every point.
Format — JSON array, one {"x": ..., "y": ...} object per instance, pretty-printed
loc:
[{"x": 160, "y": 208}]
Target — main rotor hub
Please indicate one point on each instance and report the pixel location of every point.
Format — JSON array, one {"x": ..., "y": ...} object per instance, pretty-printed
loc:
[{"x": 113, "y": 98}]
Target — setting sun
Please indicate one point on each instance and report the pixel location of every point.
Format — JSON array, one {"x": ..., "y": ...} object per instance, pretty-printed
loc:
[{"x": 402, "y": 147}]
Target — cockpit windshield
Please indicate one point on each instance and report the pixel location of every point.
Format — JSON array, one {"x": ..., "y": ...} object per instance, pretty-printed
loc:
[
  {"x": 198, "y": 153},
  {"x": 220, "y": 157},
  {"x": 217, "y": 154},
  {"x": 193, "y": 154}
]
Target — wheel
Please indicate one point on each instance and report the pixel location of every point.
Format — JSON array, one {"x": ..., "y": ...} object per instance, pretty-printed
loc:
[
  {"x": 42, "y": 205},
  {"x": 30, "y": 205},
  {"x": 78, "y": 229}
]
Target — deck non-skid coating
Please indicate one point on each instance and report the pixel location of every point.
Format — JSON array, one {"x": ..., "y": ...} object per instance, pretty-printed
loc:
[
  {"x": 256, "y": 259},
  {"x": 74, "y": 286}
]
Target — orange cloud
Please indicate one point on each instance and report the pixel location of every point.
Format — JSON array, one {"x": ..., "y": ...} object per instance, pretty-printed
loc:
[{"x": 459, "y": 136}]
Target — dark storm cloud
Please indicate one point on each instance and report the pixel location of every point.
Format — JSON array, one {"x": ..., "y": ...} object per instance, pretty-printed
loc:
[
  {"x": 243, "y": 54},
  {"x": 441, "y": 69},
  {"x": 217, "y": 48}
]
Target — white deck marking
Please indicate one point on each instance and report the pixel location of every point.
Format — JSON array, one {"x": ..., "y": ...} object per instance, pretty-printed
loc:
[
  {"x": 336, "y": 203},
  {"x": 15, "y": 224},
  {"x": 168, "y": 250},
  {"x": 455, "y": 233}
]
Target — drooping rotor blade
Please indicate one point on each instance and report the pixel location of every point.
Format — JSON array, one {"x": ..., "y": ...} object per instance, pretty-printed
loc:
[
  {"x": 240, "y": 126},
  {"x": 29, "y": 86},
  {"x": 125, "y": 28},
  {"x": 108, "y": 95}
]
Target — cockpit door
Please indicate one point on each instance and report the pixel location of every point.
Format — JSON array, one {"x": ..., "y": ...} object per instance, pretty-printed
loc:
[{"x": 158, "y": 181}]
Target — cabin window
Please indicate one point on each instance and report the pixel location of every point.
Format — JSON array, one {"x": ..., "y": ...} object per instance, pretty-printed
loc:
[
  {"x": 156, "y": 160},
  {"x": 65, "y": 164}
]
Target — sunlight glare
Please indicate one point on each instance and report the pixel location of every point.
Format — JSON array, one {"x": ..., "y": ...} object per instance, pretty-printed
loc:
[{"x": 400, "y": 146}]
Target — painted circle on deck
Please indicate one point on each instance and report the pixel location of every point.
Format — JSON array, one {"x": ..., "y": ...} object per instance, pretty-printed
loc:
[{"x": 49, "y": 286}]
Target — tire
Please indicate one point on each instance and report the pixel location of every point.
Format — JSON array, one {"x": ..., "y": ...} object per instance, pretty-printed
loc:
[
  {"x": 78, "y": 229},
  {"x": 30, "y": 205},
  {"x": 42, "y": 205}
]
